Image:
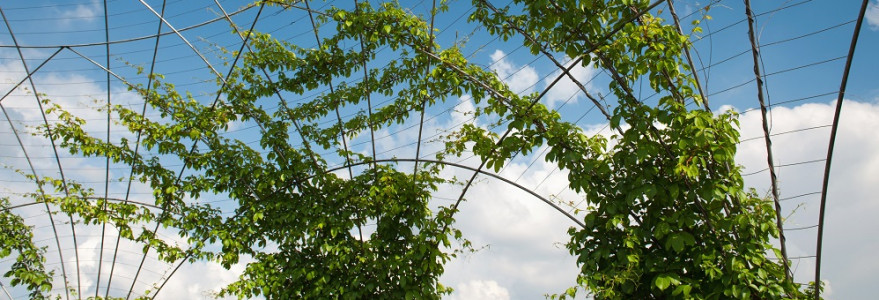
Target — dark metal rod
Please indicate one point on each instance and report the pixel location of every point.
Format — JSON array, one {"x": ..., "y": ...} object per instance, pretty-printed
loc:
[
  {"x": 779, "y": 221},
  {"x": 674, "y": 15},
  {"x": 833, "y": 130}
]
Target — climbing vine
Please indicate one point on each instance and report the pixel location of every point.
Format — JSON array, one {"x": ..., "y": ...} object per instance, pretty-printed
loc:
[{"x": 668, "y": 214}]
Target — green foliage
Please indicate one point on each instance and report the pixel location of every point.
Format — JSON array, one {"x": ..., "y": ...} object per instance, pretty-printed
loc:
[
  {"x": 670, "y": 221},
  {"x": 668, "y": 218},
  {"x": 812, "y": 289},
  {"x": 286, "y": 198},
  {"x": 326, "y": 260},
  {"x": 28, "y": 269}
]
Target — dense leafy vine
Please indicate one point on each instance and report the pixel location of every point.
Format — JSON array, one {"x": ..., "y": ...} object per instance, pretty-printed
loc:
[{"x": 668, "y": 218}]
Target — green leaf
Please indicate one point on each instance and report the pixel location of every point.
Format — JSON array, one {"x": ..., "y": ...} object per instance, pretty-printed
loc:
[
  {"x": 662, "y": 282},
  {"x": 683, "y": 288}
]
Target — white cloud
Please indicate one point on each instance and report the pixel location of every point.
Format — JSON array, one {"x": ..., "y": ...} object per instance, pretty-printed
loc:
[
  {"x": 724, "y": 108},
  {"x": 872, "y": 15},
  {"x": 828, "y": 290},
  {"x": 520, "y": 79},
  {"x": 81, "y": 12},
  {"x": 688, "y": 9},
  {"x": 848, "y": 247},
  {"x": 480, "y": 290},
  {"x": 520, "y": 237},
  {"x": 200, "y": 280},
  {"x": 566, "y": 88}
]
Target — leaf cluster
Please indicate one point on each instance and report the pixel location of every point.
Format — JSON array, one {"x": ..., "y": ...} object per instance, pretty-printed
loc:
[{"x": 669, "y": 216}]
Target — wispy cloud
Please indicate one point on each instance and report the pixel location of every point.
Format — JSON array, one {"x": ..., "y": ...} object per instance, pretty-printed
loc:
[
  {"x": 566, "y": 90},
  {"x": 80, "y": 13},
  {"x": 481, "y": 289},
  {"x": 521, "y": 79},
  {"x": 873, "y": 15}
]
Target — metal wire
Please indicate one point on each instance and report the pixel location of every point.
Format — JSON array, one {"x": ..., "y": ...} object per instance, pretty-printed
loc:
[{"x": 184, "y": 29}]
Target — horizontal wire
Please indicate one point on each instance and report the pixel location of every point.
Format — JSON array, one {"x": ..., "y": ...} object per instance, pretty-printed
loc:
[
  {"x": 101, "y": 29},
  {"x": 785, "y": 165},
  {"x": 787, "y": 132},
  {"x": 133, "y": 39}
]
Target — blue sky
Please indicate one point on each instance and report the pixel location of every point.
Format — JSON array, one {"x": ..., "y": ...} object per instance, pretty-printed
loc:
[{"x": 803, "y": 53}]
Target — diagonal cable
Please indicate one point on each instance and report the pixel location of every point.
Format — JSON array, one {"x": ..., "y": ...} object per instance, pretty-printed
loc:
[
  {"x": 671, "y": 9},
  {"x": 565, "y": 70},
  {"x": 31, "y": 73},
  {"x": 755, "y": 51}
]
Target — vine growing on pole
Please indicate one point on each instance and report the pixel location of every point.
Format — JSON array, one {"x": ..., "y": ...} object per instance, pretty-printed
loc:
[{"x": 668, "y": 217}]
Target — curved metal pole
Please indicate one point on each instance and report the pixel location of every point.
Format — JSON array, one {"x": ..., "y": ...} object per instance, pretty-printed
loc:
[
  {"x": 244, "y": 41},
  {"x": 332, "y": 90},
  {"x": 57, "y": 161},
  {"x": 3, "y": 286},
  {"x": 90, "y": 198},
  {"x": 477, "y": 171},
  {"x": 339, "y": 115},
  {"x": 833, "y": 130},
  {"x": 396, "y": 160},
  {"x": 42, "y": 192},
  {"x": 162, "y": 18},
  {"x": 677, "y": 21},
  {"x": 424, "y": 102}
]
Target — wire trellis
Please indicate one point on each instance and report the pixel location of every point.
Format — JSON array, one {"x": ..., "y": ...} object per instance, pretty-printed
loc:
[{"x": 99, "y": 49}]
